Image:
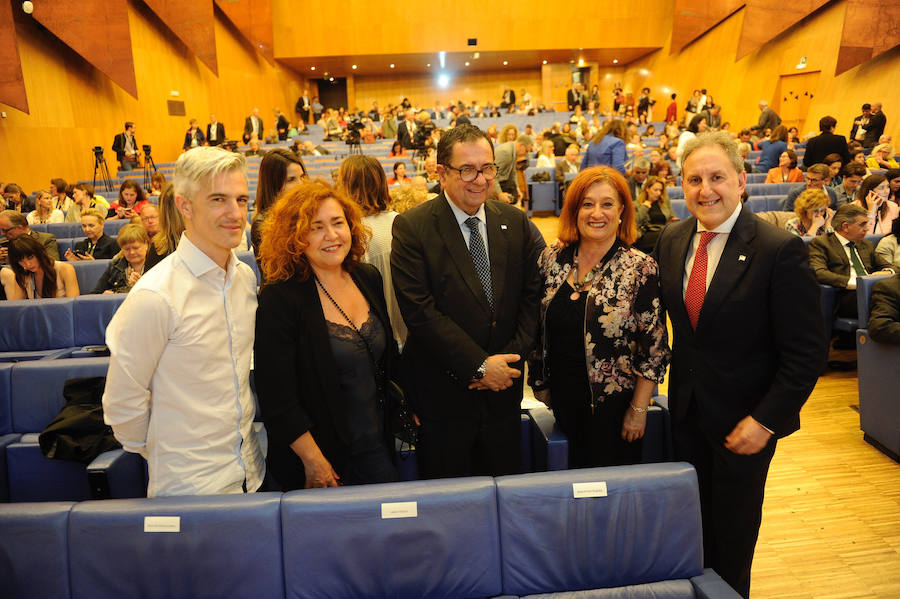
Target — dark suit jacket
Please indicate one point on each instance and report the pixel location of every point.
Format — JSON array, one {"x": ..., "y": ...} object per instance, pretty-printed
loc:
[
  {"x": 758, "y": 345},
  {"x": 451, "y": 327},
  {"x": 884, "y": 312},
  {"x": 187, "y": 139},
  {"x": 509, "y": 98},
  {"x": 403, "y": 135},
  {"x": 296, "y": 374},
  {"x": 571, "y": 101},
  {"x": 106, "y": 247},
  {"x": 768, "y": 119},
  {"x": 220, "y": 134},
  {"x": 831, "y": 265},
  {"x": 820, "y": 146},
  {"x": 47, "y": 240},
  {"x": 248, "y": 129},
  {"x": 119, "y": 147}
]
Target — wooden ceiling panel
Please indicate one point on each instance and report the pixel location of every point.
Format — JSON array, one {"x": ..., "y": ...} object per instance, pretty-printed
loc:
[
  {"x": 12, "y": 83},
  {"x": 194, "y": 24},
  {"x": 765, "y": 20},
  {"x": 693, "y": 18},
  {"x": 871, "y": 27},
  {"x": 253, "y": 18}
]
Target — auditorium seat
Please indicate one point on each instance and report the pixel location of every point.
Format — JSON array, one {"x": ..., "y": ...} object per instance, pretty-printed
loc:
[
  {"x": 92, "y": 314},
  {"x": 542, "y": 194},
  {"x": 66, "y": 230},
  {"x": 34, "y": 557},
  {"x": 35, "y": 329},
  {"x": 179, "y": 548},
  {"x": 88, "y": 273}
]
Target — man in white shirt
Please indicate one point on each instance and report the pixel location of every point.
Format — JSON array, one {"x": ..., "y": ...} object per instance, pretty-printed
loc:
[{"x": 178, "y": 388}]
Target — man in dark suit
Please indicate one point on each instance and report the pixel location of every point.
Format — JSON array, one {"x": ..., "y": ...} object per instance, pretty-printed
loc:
[
  {"x": 820, "y": 146},
  {"x": 509, "y": 99},
  {"x": 884, "y": 313},
  {"x": 747, "y": 345},
  {"x": 575, "y": 97},
  {"x": 768, "y": 118},
  {"x": 14, "y": 224},
  {"x": 406, "y": 129},
  {"x": 869, "y": 126},
  {"x": 126, "y": 148},
  {"x": 816, "y": 175},
  {"x": 253, "y": 127},
  {"x": 215, "y": 131},
  {"x": 303, "y": 105},
  {"x": 464, "y": 270},
  {"x": 838, "y": 258}
]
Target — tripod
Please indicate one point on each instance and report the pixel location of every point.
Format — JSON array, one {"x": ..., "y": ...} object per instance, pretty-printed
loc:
[
  {"x": 101, "y": 167},
  {"x": 148, "y": 163}
]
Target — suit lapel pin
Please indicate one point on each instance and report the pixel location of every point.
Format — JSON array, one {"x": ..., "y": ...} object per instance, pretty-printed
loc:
[
  {"x": 742, "y": 258},
  {"x": 503, "y": 227}
]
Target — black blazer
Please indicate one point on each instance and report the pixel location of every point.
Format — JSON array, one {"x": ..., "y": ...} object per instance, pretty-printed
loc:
[
  {"x": 106, "y": 247},
  {"x": 220, "y": 134},
  {"x": 119, "y": 147},
  {"x": 248, "y": 129},
  {"x": 188, "y": 139},
  {"x": 403, "y": 135},
  {"x": 758, "y": 345},
  {"x": 820, "y": 146},
  {"x": 451, "y": 327},
  {"x": 831, "y": 265},
  {"x": 296, "y": 374}
]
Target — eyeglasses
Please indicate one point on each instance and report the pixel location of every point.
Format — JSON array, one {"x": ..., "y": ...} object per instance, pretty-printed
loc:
[{"x": 469, "y": 173}]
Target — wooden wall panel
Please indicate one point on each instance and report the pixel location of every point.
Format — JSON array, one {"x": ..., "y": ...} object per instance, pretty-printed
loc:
[
  {"x": 253, "y": 18},
  {"x": 764, "y": 20},
  {"x": 12, "y": 84},
  {"x": 193, "y": 23},
  {"x": 74, "y": 106},
  {"x": 693, "y": 18},
  {"x": 738, "y": 86},
  {"x": 871, "y": 28}
]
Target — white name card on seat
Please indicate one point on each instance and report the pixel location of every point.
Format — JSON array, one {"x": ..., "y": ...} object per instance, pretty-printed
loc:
[
  {"x": 400, "y": 509},
  {"x": 596, "y": 489},
  {"x": 162, "y": 523}
]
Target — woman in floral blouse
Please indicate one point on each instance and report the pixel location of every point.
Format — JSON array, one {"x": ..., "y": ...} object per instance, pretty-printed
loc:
[{"x": 603, "y": 343}]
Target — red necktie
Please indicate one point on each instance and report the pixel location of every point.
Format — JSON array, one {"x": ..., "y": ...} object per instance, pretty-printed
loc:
[{"x": 696, "y": 287}]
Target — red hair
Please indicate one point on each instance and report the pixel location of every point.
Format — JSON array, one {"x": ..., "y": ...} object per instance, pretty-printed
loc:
[{"x": 568, "y": 216}]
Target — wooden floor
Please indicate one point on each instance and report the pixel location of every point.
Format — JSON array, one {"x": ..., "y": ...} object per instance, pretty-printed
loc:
[{"x": 831, "y": 518}]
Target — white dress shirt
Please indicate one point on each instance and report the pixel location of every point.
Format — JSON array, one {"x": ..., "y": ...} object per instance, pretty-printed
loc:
[
  {"x": 714, "y": 248},
  {"x": 851, "y": 284},
  {"x": 178, "y": 387}
]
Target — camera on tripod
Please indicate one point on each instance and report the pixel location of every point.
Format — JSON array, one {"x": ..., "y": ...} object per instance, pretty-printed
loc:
[
  {"x": 146, "y": 149},
  {"x": 354, "y": 131},
  {"x": 98, "y": 151}
]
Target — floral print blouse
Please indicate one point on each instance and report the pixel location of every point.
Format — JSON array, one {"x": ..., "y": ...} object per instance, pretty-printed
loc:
[{"x": 625, "y": 329}]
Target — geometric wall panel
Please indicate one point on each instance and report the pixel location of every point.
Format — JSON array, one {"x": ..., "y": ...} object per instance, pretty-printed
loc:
[
  {"x": 253, "y": 18},
  {"x": 12, "y": 83},
  {"x": 693, "y": 18},
  {"x": 871, "y": 27},
  {"x": 194, "y": 24},
  {"x": 764, "y": 20}
]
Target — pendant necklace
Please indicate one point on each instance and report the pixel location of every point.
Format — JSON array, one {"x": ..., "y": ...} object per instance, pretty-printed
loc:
[{"x": 585, "y": 283}]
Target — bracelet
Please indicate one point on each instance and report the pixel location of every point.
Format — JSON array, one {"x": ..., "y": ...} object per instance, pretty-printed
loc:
[{"x": 636, "y": 409}]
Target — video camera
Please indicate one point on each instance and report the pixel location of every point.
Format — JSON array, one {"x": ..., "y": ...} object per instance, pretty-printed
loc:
[
  {"x": 98, "y": 151},
  {"x": 354, "y": 130}
]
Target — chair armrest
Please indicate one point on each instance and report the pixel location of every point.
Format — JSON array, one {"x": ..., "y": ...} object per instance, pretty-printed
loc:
[
  {"x": 550, "y": 446},
  {"x": 117, "y": 474},
  {"x": 710, "y": 585}
]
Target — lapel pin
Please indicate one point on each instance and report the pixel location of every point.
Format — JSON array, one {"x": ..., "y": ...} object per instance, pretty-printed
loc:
[
  {"x": 503, "y": 227},
  {"x": 742, "y": 258}
]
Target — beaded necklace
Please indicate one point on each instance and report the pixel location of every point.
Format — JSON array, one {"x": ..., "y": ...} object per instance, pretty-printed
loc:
[{"x": 581, "y": 286}]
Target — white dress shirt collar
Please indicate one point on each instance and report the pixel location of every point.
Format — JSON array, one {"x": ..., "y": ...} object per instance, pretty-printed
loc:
[{"x": 727, "y": 225}]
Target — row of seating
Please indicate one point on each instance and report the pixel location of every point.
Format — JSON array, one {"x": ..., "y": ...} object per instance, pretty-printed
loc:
[
  {"x": 630, "y": 531},
  {"x": 74, "y": 230}
]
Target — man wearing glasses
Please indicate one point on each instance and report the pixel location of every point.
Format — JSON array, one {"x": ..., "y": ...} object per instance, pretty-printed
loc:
[
  {"x": 13, "y": 224},
  {"x": 466, "y": 278},
  {"x": 816, "y": 178}
]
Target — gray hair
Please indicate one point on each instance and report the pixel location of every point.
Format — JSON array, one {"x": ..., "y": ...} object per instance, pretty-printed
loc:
[
  {"x": 847, "y": 213},
  {"x": 642, "y": 163},
  {"x": 203, "y": 164},
  {"x": 718, "y": 139},
  {"x": 525, "y": 141}
]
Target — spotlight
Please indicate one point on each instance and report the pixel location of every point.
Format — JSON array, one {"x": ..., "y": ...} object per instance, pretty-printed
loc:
[{"x": 28, "y": 7}]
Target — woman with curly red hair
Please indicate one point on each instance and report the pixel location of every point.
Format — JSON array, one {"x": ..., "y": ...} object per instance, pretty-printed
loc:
[{"x": 324, "y": 344}]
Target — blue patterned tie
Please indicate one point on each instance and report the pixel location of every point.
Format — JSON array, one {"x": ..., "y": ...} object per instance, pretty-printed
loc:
[{"x": 479, "y": 257}]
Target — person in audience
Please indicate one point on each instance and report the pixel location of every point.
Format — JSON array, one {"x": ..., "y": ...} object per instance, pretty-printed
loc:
[
  {"x": 171, "y": 226},
  {"x": 816, "y": 175},
  {"x": 882, "y": 157},
  {"x": 127, "y": 266},
  {"x": 432, "y": 179},
  {"x": 362, "y": 180},
  {"x": 84, "y": 198},
  {"x": 772, "y": 148},
  {"x": 654, "y": 212},
  {"x": 33, "y": 273},
  {"x": 786, "y": 171},
  {"x": 506, "y": 186},
  {"x": 852, "y": 175},
  {"x": 193, "y": 137},
  {"x": 893, "y": 177},
  {"x": 97, "y": 245},
  {"x": 193, "y": 310},
  {"x": 858, "y": 156},
  {"x": 872, "y": 195},
  {"x": 743, "y": 366},
  {"x": 44, "y": 212},
  {"x": 126, "y": 147},
  {"x": 599, "y": 395},
  {"x": 254, "y": 149},
  {"x": 462, "y": 357},
  {"x": 888, "y": 248},
  {"x": 827, "y": 142},
  {"x": 607, "y": 148},
  {"x": 813, "y": 214},
  {"x": 149, "y": 219},
  {"x": 397, "y": 149},
  {"x": 16, "y": 199},
  {"x": 13, "y": 224},
  {"x": 568, "y": 165},
  {"x": 157, "y": 182},
  {"x": 399, "y": 177},
  {"x": 884, "y": 311},
  {"x": 131, "y": 201},
  {"x": 281, "y": 124},
  {"x": 639, "y": 173},
  {"x": 744, "y": 151},
  {"x": 253, "y": 127},
  {"x": 509, "y": 132},
  {"x": 697, "y": 125},
  {"x": 215, "y": 131},
  {"x": 663, "y": 171},
  {"x": 546, "y": 158},
  {"x": 836, "y": 165},
  {"x": 838, "y": 258},
  {"x": 768, "y": 118},
  {"x": 279, "y": 171},
  {"x": 407, "y": 197},
  {"x": 59, "y": 191},
  {"x": 324, "y": 345}
]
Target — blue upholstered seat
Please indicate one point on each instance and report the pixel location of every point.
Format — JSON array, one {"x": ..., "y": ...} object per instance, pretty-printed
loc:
[{"x": 34, "y": 550}]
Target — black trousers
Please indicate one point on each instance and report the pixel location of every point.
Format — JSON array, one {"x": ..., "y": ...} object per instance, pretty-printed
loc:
[
  {"x": 484, "y": 441},
  {"x": 732, "y": 487}
]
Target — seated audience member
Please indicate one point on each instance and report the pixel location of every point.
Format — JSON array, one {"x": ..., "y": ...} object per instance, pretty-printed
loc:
[
  {"x": 98, "y": 245},
  {"x": 639, "y": 175},
  {"x": 882, "y": 157},
  {"x": 569, "y": 164},
  {"x": 816, "y": 175},
  {"x": 664, "y": 171},
  {"x": 279, "y": 171},
  {"x": 254, "y": 149},
  {"x": 884, "y": 311},
  {"x": 13, "y": 224},
  {"x": 772, "y": 148},
  {"x": 407, "y": 197},
  {"x": 84, "y": 198},
  {"x": 821, "y": 146},
  {"x": 635, "y": 143},
  {"x": 32, "y": 273},
  {"x": 149, "y": 219},
  {"x": 872, "y": 195},
  {"x": 837, "y": 258},
  {"x": 744, "y": 150},
  {"x": 127, "y": 266},
  {"x": 399, "y": 177},
  {"x": 59, "y": 190},
  {"x": 696, "y": 125},
  {"x": 44, "y": 212},
  {"x": 546, "y": 158},
  {"x": 157, "y": 182},
  {"x": 888, "y": 249},
  {"x": 654, "y": 211},
  {"x": 333, "y": 130},
  {"x": 893, "y": 177},
  {"x": 859, "y": 156},
  {"x": 852, "y": 175},
  {"x": 171, "y": 226},
  {"x": 836, "y": 166},
  {"x": 786, "y": 171},
  {"x": 16, "y": 199},
  {"x": 813, "y": 214},
  {"x": 131, "y": 201},
  {"x": 397, "y": 149},
  {"x": 672, "y": 159}
]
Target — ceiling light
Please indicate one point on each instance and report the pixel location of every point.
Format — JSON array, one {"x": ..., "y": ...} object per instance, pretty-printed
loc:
[
  {"x": 353, "y": 67},
  {"x": 443, "y": 80},
  {"x": 615, "y": 61},
  {"x": 467, "y": 63},
  {"x": 312, "y": 68},
  {"x": 581, "y": 62},
  {"x": 392, "y": 65},
  {"x": 331, "y": 78},
  {"x": 428, "y": 65},
  {"x": 545, "y": 62},
  {"x": 505, "y": 62}
]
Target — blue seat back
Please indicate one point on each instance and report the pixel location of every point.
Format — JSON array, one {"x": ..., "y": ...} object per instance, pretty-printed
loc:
[
  {"x": 679, "y": 207},
  {"x": 418, "y": 539},
  {"x": 596, "y": 528},
  {"x": 88, "y": 273},
  {"x": 92, "y": 315},
  {"x": 5, "y": 408},
  {"x": 32, "y": 325},
  {"x": 224, "y": 546},
  {"x": 36, "y": 389},
  {"x": 65, "y": 230},
  {"x": 864, "y": 295},
  {"x": 34, "y": 550},
  {"x": 111, "y": 227},
  {"x": 675, "y": 193}
]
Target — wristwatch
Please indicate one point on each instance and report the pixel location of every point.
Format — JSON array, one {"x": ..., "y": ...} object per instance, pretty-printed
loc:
[{"x": 479, "y": 374}]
